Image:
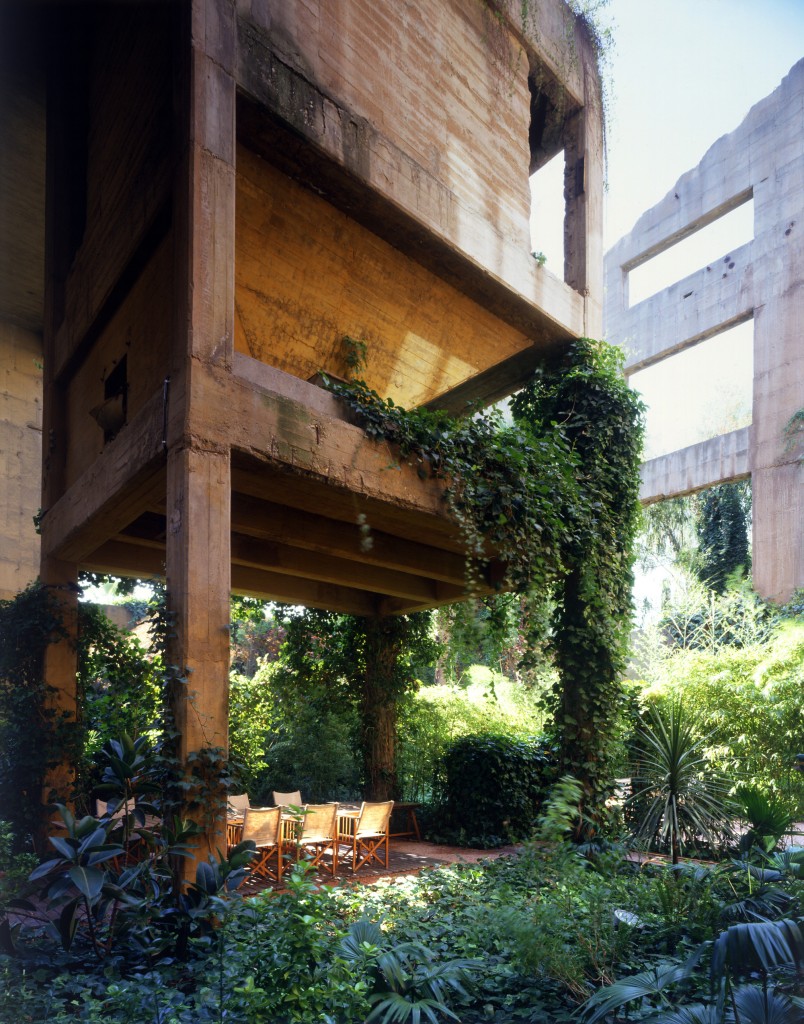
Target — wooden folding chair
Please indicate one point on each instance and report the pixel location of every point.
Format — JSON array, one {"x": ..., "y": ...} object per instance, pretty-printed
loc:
[
  {"x": 263, "y": 825},
  {"x": 318, "y": 834},
  {"x": 368, "y": 834}
]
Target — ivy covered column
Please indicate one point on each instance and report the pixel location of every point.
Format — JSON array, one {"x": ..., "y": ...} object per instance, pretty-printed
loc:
[{"x": 379, "y": 699}]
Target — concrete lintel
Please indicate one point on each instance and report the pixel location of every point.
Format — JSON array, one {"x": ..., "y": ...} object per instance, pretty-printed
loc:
[
  {"x": 701, "y": 305},
  {"x": 716, "y": 461}
]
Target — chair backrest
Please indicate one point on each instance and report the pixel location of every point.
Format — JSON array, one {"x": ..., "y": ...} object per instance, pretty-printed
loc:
[
  {"x": 102, "y": 808},
  {"x": 320, "y": 821},
  {"x": 283, "y": 799},
  {"x": 374, "y": 818},
  {"x": 262, "y": 825},
  {"x": 238, "y": 803}
]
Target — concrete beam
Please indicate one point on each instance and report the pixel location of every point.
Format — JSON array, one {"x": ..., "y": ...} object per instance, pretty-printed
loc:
[{"x": 723, "y": 459}]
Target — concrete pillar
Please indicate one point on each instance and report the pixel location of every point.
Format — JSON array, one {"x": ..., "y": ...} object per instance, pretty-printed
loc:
[{"x": 198, "y": 586}]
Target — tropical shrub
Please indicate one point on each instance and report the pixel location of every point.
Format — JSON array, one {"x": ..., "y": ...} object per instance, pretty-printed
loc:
[
  {"x": 119, "y": 682},
  {"x": 747, "y": 702},
  {"x": 767, "y": 816},
  {"x": 313, "y": 750},
  {"x": 14, "y": 867},
  {"x": 681, "y": 801},
  {"x": 523, "y": 938},
  {"x": 251, "y": 723}
]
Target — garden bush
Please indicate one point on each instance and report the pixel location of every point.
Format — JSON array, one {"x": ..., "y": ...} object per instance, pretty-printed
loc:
[
  {"x": 435, "y": 716},
  {"x": 314, "y": 752},
  {"x": 747, "y": 701},
  {"x": 491, "y": 789}
]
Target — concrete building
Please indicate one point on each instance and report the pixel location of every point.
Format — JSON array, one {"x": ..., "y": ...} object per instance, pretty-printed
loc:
[
  {"x": 233, "y": 189},
  {"x": 22, "y": 235},
  {"x": 762, "y": 280}
]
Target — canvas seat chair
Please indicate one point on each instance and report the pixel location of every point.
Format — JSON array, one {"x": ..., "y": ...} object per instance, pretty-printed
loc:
[
  {"x": 286, "y": 799},
  {"x": 263, "y": 825},
  {"x": 317, "y": 834},
  {"x": 368, "y": 835},
  {"x": 238, "y": 804}
]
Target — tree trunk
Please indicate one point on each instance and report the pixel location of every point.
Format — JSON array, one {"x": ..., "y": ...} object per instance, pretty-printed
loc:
[{"x": 379, "y": 710}]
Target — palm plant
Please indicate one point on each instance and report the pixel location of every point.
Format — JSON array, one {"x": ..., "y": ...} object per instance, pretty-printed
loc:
[
  {"x": 679, "y": 796},
  {"x": 768, "y": 818},
  {"x": 758, "y": 950},
  {"x": 409, "y": 984}
]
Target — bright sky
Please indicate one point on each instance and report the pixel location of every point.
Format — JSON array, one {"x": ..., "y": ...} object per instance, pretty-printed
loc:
[{"x": 683, "y": 73}]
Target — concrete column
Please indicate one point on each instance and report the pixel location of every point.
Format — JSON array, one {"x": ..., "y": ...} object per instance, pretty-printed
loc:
[{"x": 198, "y": 586}]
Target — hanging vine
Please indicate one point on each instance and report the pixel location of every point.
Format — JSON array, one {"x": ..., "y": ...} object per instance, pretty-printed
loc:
[
  {"x": 601, "y": 418},
  {"x": 554, "y": 495}
]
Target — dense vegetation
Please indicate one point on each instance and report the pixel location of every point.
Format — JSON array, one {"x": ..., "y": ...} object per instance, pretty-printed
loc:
[
  {"x": 559, "y": 933},
  {"x": 530, "y": 938}
]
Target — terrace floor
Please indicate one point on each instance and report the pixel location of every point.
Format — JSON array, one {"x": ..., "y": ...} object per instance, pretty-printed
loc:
[{"x": 406, "y": 858}]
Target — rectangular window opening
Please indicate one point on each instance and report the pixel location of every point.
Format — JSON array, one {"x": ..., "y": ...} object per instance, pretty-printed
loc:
[
  {"x": 549, "y": 111},
  {"x": 701, "y": 392},
  {"x": 710, "y": 246},
  {"x": 547, "y": 211}
]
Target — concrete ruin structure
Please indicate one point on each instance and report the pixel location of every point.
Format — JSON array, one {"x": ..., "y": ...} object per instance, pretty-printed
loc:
[
  {"x": 763, "y": 280},
  {"x": 22, "y": 236},
  {"x": 234, "y": 190}
]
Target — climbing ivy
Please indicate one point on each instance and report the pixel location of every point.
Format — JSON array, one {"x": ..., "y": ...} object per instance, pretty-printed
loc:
[
  {"x": 366, "y": 664},
  {"x": 34, "y": 735},
  {"x": 602, "y": 420},
  {"x": 554, "y": 495}
]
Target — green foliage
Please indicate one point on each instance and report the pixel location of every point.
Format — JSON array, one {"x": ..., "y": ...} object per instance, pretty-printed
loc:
[
  {"x": 556, "y": 495},
  {"x": 767, "y": 949},
  {"x": 768, "y": 818},
  {"x": 601, "y": 418},
  {"x": 14, "y": 867},
  {"x": 570, "y": 933},
  {"x": 251, "y": 723},
  {"x": 343, "y": 663},
  {"x": 699, "y": 619},
  {"x": 680, "y": 799},
  {"x": 562, "y": 809},
  {"x": 480, "y": 632},
  {"x": 492, "y": 788},
  {"x": 312, "y": 749},
  {"x": 723, "y": 526},
  {"x": 432, "y": 717},
  {"x": 502, "y": 484},
  {"x": 113, "y": 888},
  {"x": 747, "y": 700},
  {"x": 33, "y": 736},
  {"x": 521, "y": 939},
  {"x": 255, "y": 635},
  {"x": 118, "y": 682},
  {"x": 408, "y": 985}
]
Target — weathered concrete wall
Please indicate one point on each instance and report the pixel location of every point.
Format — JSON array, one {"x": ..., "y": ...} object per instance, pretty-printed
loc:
[
  {"x": 307, "y": 275},
  {"x": 20, "y": 456},
  {"x": 428, "y": 108},
  {"x": 764, "y": 279}
]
